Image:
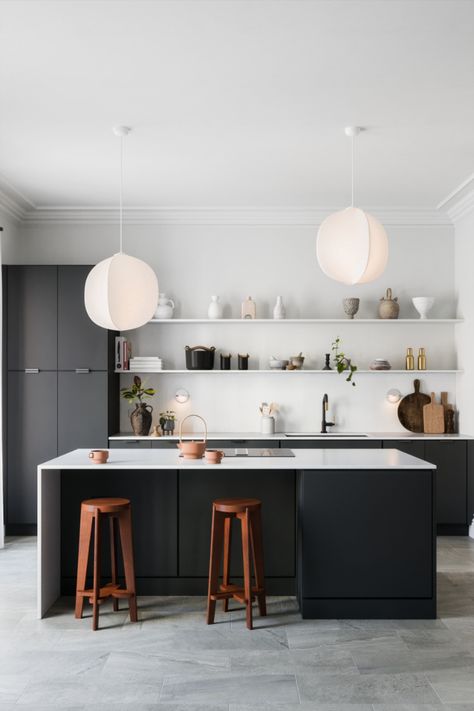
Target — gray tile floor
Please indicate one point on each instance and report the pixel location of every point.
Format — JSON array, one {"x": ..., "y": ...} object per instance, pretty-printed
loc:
[{"x": 171, "y": 661}]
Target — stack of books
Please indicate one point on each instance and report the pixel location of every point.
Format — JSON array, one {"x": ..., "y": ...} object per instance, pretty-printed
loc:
[{"x": 145, "y": 364}]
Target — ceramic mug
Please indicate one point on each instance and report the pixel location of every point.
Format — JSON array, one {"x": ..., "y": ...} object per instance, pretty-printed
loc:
[
  {"x": 214, "y": 456},
  {"x": 99, "y": 456}
]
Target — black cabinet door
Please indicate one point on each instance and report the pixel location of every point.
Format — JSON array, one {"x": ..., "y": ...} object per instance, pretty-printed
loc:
[
  {"x": 32, "y": 317},
  {"x": 31, "y": 439},
  {"x": 82, "y": 410},
  {"x": 414, "y": 447},
  {"x": 81, "y": 344},
  {"x": 451, "y": 480},
  {"x": 153, "y": 498},
  {"x": 197, "y": 491},
  {"x": 351, "y": 541},
  {"x": 361, "y": 443}
]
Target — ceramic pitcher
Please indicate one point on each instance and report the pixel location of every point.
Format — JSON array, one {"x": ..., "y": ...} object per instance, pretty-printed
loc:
[{"x": 165, "y": 307}]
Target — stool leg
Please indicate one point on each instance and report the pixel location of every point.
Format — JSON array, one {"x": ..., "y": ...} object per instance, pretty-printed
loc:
[
  {"x": 226, "y": 566},
  {"x": 85, "y": 530},
  {"x": 125, "y": 525},
  {"x": 257, "y": 550},
  {"x": 247, "y": 571},
  {"x": 113, "y": 559},
  {"x": 217, "y": 532},
  {"x": 96, "y": 584}
]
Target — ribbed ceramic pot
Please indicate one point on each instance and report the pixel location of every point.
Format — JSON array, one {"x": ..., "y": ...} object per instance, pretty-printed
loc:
[{"x": 351, "y": 306}]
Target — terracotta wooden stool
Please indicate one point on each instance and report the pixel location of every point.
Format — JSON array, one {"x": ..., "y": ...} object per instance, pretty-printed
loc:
[
  {"x": 92, "y": 513},
  {"x": 248, "y": 511}
]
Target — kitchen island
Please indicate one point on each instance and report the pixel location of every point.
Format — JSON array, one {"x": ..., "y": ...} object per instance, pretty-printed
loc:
[{"x": 351, "y": 532}]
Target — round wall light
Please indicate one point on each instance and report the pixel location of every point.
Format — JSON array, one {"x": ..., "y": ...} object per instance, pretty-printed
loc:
[
  {"x": 181, "y": 395},
  {"x": 394, "y": 396}
]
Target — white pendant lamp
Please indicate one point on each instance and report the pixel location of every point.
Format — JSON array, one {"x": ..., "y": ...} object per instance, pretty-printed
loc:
[
  {"x": 121, "y": 292},
  {"x": 352, "y": 246}
]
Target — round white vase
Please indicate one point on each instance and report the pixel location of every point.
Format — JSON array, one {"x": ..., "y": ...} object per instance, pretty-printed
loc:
[
  {"x": 215, "y": 309},
  {"x": 268, "y": 424}
]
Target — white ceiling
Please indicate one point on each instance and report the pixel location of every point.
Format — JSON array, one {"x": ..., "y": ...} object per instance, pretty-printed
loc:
[{"x": 238, "y": 103}]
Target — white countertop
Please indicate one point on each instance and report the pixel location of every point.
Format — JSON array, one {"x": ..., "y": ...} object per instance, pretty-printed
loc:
[
  {"x": 310, "y": 435},
  {"x": 303, "y": 459}
]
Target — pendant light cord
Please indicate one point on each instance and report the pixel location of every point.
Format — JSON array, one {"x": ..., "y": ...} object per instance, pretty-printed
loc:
[
  {"x": 353, "y": 164},
  {"x": 121, "y": 194}
]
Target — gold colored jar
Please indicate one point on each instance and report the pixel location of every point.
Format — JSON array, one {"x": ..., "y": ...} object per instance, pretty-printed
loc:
[{"x": 410, "y": 360}]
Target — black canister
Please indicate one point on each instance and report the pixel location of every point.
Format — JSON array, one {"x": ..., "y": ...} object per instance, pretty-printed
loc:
[
  {"x": 243, "y": 361},
  {"x": 225, "y": 361}
]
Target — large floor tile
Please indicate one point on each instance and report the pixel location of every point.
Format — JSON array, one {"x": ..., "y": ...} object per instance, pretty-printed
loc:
[{"x": 234, "y": 688}]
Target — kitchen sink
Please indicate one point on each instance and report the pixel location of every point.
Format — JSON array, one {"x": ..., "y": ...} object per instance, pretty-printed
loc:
[{"x": 320, "y": 435}]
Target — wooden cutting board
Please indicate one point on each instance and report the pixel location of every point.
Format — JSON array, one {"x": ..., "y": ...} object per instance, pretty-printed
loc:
[
  {"x": 433, "y": 417},
  {"x": 447, "y": 406},
  {"x": 410, "y": 409}
]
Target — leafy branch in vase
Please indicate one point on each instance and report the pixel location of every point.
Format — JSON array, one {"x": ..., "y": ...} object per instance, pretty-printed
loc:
[{"x": 342, "y": 362}]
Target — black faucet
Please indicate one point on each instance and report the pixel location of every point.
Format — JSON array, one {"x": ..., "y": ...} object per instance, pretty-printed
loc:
[{"x": 324, "y": 424}]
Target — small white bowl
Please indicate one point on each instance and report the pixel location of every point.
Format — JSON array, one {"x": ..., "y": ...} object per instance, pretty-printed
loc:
[{"x": 423, "y": 304}]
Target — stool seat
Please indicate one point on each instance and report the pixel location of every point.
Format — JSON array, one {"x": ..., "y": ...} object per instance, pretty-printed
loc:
[
  {"x": 247, "y": 512},
  {"x": 107, "y": 505},
  {"x": 236, "y": 506}
]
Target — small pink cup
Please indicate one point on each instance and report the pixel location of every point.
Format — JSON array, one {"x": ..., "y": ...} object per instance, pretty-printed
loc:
[
  {"x": 99, "y": 456},
  {"x": 213, "y": 456}
]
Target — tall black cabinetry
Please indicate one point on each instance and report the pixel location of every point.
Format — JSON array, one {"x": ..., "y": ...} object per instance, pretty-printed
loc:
[{"x": 61, "y": 390}]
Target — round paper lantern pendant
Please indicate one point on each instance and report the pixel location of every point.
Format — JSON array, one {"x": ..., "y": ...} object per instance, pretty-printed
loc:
[
  {"x": 121, "y": 293},
  {"x": 352, "y": 246}
]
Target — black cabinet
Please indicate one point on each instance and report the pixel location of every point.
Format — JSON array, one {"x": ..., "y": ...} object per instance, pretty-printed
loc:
[
  {"x": 81, "y": 344},
  {"x": 31, "y": 439},
  {"x": 53, "y": 409},
  {"x": 32, "y": 316},
  {"x": 197, "y": 491},
  {"x": 343, "y": 560},
  {"x": 414, "y": 447},
  {"x": 450, "y": 458},
  {"x": 82, "y": 410}
]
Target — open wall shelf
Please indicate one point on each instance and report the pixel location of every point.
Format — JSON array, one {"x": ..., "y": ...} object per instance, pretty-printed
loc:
[
  {"x": 305, "y": 371},
  {"x": 406, "y": 321}
]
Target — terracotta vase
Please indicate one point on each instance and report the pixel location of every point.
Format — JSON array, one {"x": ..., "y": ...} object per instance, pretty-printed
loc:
[
  {"x": 388, "y": 307},
  {"x": 141, "y": 419}
]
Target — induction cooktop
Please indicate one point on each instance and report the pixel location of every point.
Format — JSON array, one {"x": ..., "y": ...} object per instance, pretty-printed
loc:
[{"x": 257, "y": 452}]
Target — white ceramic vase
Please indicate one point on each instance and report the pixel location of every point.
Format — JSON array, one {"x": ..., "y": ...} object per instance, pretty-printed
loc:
[
  {"x": 215, "y": 309},
  {"x": 268, "y": 424},
  {"x": 423, "y": 304},
  {"x": 165, "y": 307},
  {"x": 279, "y": 311}
]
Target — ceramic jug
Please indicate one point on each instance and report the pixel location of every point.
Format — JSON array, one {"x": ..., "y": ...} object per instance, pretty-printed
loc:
[
  {"x": 388, "y": 307},
  {"x": 215, "y": 309},
  {"x": 165, "y": 307}
]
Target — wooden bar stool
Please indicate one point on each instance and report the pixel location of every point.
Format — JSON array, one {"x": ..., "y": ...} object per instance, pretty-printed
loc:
[
  {"x": 92, "y": 513},
  {"x": 248, "y": 511}
]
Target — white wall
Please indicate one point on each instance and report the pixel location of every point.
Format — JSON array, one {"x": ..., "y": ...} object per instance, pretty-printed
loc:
[
  {"x": 464, "y": 269},
  {"x": 195, "y": 261}
]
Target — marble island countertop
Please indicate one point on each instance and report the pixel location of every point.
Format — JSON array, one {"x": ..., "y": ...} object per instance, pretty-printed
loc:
[
  {"x": 303, "y": 459},
  {"x": 281, "y": 436}
]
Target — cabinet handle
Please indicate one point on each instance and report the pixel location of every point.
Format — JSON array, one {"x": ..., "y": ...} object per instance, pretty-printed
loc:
[
  {"x": 32, "y": 370},
  {"x": 83, "y": 370}
]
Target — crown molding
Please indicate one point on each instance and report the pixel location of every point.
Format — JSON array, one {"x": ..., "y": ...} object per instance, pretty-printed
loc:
[
  {"x": 270, "y": 216},
  {"x": 459, "y": 202}
]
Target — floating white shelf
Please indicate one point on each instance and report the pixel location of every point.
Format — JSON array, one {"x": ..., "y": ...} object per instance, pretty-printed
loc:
[
  {"x": 305, "y": 371},
  {"x": 417, "y": 321}
]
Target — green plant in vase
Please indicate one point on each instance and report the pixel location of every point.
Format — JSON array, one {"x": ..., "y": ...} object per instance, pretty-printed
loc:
[
  {"x": 168, "y": 422},
  {"x": 141, "y": 416},
  {"x": 342, "y": 362}
]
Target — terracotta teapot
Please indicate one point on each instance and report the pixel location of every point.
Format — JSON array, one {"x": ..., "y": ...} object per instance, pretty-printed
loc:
[{"x": 388, "y": 307}]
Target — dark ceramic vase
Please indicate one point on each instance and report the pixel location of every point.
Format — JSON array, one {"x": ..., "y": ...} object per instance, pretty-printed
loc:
[
  {"x": 141, "y": 419},
  {"x": 168, "y": 427}
]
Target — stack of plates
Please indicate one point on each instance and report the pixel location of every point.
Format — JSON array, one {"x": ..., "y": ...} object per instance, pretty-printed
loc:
[
  {"x": 380, "y": 364},
  {"x": 146, "y": 364}
]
